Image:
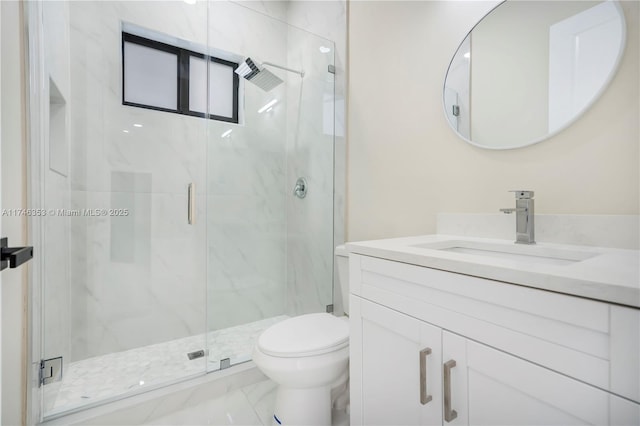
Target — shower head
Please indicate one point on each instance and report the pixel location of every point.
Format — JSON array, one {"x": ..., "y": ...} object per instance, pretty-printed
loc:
[
  {"x": 258, "y": 75},
  {"x": 261, "y": 77}
]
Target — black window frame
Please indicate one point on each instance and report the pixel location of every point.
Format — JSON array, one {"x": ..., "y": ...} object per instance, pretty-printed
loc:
[{"x": 183, "y": 86}]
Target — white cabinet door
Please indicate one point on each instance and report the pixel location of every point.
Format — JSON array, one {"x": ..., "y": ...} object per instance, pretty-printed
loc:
[
  {"x": 624, "y": 351},
  {"x": 389, "y": 348},
  {"x": 490, "y": 387},
  {"x": 623, "y": 412}
]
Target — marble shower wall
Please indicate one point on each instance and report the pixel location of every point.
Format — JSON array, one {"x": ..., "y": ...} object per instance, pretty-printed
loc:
[
  {"x": 255, "y": 250},
  {"x": 310, "y": 155},
  {"x": 316, "y": 223},
  {"x": 139, "y": 279},
  {"x": 271, "y": 252},
  {"x": 247, "y": 171}
]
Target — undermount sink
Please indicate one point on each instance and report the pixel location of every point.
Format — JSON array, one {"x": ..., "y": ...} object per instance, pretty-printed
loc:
[{"x": 521, "y": 253}]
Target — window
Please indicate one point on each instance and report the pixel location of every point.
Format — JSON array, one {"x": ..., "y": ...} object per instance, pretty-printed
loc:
[{"x": 163, "y": 77}]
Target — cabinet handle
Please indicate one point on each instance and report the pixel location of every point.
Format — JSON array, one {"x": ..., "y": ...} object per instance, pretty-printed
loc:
[
  {"x": 424, "y": 398},
  {"x": 191, "y": 204},
  {"x": 449, "y": 414}
]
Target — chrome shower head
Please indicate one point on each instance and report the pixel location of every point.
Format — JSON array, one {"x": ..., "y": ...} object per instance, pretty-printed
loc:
[{"x": 258, "y": 75}]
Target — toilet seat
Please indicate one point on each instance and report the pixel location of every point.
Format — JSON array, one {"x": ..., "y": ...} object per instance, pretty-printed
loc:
[{"x": 305, "y": 335}]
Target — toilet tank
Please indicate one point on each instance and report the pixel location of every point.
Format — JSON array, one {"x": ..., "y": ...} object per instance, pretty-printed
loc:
[{"x": 342, "y": 264}]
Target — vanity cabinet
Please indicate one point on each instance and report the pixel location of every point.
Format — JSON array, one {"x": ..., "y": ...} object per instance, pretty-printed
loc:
[
  {"x": 430, "y": 347},
  {"x": 491, "y": 387},
  {"x": 393, "y": 348}
]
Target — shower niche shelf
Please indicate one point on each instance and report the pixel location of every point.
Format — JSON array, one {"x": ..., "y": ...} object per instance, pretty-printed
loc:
[{"x": 58, "y": 133}]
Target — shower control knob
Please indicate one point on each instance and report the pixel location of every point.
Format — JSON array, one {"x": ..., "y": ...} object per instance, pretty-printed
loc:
[{"x": 300, "y": 190}]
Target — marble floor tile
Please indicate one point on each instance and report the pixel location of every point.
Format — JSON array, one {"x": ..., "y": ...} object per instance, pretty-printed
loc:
[
  {"x": 230, "y": 409},
  {"x": 250, "y": 406},
  {"x": 107, "y": 376},
  {"x": 262, "y": 397}
]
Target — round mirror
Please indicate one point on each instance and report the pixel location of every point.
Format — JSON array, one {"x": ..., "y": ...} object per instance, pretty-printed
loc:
[{"x": 529, "y": 69}]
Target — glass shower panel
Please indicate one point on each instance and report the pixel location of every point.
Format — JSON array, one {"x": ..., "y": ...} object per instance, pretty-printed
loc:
[
  {"x": 124, "y": 244},
  {"x": 270, "y": 254},
  {"x": 310, "y": 155}
]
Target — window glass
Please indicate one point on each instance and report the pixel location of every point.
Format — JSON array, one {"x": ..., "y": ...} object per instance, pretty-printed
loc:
[
  {"x": 150, "y": 76},
  {"x": 197, "y": 84},
  {"x": 220, "y": 89},
  {"x": 170, "y": 78}
]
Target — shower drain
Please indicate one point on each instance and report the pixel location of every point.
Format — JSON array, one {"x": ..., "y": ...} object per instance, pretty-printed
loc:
[{"x": 196, "y": 354}]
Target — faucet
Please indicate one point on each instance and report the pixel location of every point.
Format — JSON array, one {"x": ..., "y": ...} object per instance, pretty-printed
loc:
[{"x": 524, "y": 217}]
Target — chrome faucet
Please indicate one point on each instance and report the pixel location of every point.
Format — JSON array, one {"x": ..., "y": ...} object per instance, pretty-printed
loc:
[{"x": 524, "y": 217}]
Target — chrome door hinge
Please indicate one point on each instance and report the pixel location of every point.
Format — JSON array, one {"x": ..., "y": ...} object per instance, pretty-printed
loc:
[{"x": 50, "y": 370}]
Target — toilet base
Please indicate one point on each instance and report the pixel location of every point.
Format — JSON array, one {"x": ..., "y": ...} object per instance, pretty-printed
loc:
[{"x": 310, "y": 406}]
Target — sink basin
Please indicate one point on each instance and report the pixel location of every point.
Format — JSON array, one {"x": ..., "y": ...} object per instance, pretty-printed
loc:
[{"x": 520, "y": 253}]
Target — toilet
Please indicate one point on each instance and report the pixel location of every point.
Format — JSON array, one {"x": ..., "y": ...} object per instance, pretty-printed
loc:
[{"x": 308, "y": 357}]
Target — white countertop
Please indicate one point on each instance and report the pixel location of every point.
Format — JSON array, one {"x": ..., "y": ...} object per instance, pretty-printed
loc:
[{"x": 609, "y": 275}]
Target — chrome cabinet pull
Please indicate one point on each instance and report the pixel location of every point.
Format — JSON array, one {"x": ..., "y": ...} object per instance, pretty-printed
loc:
[
  {"x": 449, "y": 413},
  {"x": 424, "y": 398},
  {"x": 191, "y": 204}
]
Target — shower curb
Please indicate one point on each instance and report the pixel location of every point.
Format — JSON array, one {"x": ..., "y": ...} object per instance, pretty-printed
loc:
[{"x": 145, "y": 407}]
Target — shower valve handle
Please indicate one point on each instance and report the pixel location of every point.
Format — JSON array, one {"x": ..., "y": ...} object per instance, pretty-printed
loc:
[{"x": 300, "y": 190}]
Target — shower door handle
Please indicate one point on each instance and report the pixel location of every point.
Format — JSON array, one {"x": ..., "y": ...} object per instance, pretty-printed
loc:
[{"x": 191, "y": 204}]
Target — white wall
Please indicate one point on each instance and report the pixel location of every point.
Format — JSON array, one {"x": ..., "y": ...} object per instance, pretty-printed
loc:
[
  {"x": 405, "y": 165},
  {"x": 1, "y": 222},
  {"x": 14, "y": 288}
]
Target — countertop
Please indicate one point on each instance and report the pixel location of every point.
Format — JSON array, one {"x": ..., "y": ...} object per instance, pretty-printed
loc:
[{"x": 609, "y": 275}]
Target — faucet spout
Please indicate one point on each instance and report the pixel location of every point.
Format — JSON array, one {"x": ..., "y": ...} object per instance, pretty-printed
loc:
[{"x": 524, "y": 217}]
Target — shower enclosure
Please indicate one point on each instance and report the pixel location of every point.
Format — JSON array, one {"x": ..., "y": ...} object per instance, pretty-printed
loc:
[{"x": 171, "y": 234}]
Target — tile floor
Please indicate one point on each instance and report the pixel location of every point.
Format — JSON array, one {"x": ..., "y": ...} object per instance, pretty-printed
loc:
[
  {"x": 249, "y": 406},
  {"x": 111, "y": 375}
]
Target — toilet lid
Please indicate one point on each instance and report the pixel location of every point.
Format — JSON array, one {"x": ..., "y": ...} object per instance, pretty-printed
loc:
[{"x": 306, "y": 335}]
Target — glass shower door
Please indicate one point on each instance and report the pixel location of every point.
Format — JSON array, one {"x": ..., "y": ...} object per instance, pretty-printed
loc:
[
  {"x": 123, "y": 179},
  {"x": 270, "y": 253}
]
